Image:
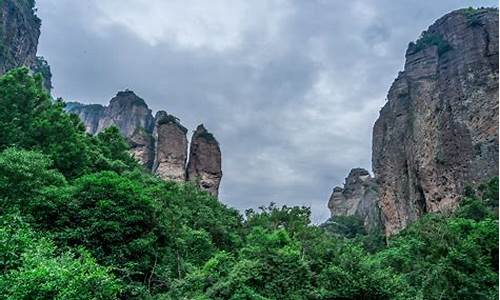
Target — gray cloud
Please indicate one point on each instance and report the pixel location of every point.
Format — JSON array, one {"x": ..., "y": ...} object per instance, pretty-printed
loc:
[{"x": 290, "y": 88}]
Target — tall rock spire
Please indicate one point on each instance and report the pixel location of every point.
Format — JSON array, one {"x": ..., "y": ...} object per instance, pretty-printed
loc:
[
  {"x": 204, "y": 166},
  {"x": 171, "y": 147}
]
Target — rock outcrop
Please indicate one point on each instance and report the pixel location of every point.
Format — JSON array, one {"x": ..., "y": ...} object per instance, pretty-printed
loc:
[
  {"x": 127, "y": 112},
  {"x": 438, "y": 130},
  {"x": 19, "y": 33},
  {"x": 358, "y": 197},
  {"x": 159, "y": 143},
  {"x": 204, "y": 166},
  {"x": 171, "y": 147}
]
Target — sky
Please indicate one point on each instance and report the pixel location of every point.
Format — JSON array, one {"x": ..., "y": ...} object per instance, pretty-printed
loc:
[{"x": 290, "y": 89}]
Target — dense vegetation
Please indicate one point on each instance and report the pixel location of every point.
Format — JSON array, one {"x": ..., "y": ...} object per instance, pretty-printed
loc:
[{"x": 81, "y": 220}]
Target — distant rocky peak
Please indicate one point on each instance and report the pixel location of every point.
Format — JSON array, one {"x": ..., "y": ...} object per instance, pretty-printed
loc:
[
  {"x": 358, "y": 197},
  {"x": 127, "y": 98}
]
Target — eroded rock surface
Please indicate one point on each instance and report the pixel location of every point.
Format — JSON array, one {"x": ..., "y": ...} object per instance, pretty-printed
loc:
[
  {"x": 358, "y": 197},
  {"x": 171, "y": 147},
  {"x": 19, "y": 32},
  {"x": 438, "y": 130},
  {"x": 130, "y": 114},
  {"x": 204, "y": 166},
  {"x": 159, "y": 143}
]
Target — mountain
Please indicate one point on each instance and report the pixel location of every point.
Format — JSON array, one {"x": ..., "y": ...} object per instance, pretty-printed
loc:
[
  {"x": 159, "y": 143},
  {"x": 358, "y": 198},
  {"x": 438, "y": 131},
  {"x": 19, "y": 33}
]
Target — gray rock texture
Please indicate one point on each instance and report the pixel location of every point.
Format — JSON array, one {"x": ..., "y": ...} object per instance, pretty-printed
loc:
[
  {"x": 358, "y": 197},
  {"x": 159, "y": 143},
  {"x": 19, "y": 32},
  {"x": 438, "y": 130},
  {"x": 130, "y": 114},
  {"x": 171, "y": 147},
  {"x": 205, "y": 164}
]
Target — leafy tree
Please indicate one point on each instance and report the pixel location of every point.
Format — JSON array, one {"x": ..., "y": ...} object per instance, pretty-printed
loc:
[
  {"x": 30, "y": 119},
  {"x": 345, "y": 226},
  {"x": 33, "y": 269},
  {"x": 447, "y": 258},
  {"x": 23, "y": 176},
  {"x": 80, "y": 220}
]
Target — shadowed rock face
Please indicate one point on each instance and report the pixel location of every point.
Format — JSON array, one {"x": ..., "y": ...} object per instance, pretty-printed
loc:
[
  {"x": 358, "y": 197},
  {"x": 171, "y": 147},
  {"x": 438, "y": 130},
  {"x": 204, "y": 166},
  {"x": 19, "y": 32},
  {"x": 90, "y": 114}
]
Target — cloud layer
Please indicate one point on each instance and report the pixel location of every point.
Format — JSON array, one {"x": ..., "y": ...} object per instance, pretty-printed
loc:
[{"x": 289, "y": 88}]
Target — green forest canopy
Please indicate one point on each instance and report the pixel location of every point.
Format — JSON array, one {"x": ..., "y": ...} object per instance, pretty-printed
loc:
[{"x": 80, "y": 219}]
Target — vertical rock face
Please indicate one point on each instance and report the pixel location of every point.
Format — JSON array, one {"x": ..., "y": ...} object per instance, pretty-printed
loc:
[
  {"x": 160, "y": 143},
  {"x": 204, "y": 166},
  {"x": 358, "y": 197},
  {"x": 19, "y": 32},
  {"x": 171, "y": 147},
  {"x": 438, "y": 130},
  {"x": 127, "y": 112},
  {"x": 90, "y": 114}
]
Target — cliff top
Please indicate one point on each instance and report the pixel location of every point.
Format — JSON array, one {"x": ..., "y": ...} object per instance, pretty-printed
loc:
[
  {"x": 162, "y": 117},
  {"x": 202, "y": 132},
  {"x": 128, "y": 97}
]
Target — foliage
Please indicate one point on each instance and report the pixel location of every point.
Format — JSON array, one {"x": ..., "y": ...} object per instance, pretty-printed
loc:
[
  {"x": 473, "y": 14},
  {"x": 447, "y": 258},
  {"x": 31, "y": 120},
  {"x": 41, "y": 66},
  {"x": 166, "y": 119},
  {"x": 79, "y": 219},
  {"x": 427, "y": 39},
  {"x": 33, "y": 269},
  {"x": 347, "y": 226}
]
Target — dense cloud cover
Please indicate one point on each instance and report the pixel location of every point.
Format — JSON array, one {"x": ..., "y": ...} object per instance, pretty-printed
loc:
[{"x": 290, "y": 89}]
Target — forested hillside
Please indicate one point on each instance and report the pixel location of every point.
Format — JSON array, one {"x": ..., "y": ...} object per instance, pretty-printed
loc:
[{"x": 80, "y": 219}]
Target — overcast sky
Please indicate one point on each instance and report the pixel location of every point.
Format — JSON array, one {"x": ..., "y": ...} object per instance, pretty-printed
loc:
[{"x": 291, "y": 89}]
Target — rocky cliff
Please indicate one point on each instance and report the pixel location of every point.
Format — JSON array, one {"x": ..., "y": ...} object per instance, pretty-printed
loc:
[
  {"x": 130, "y": 114},
  {"x": 171, "y": 147},
  {"x": 438, "y": 130},
  {"x": 358, "y": 197},
  {"x": 159, "y": 143},
  {"x": 19, "y": 33},
  {"x": 204, "y": 167}
]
